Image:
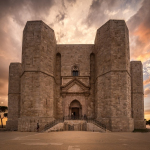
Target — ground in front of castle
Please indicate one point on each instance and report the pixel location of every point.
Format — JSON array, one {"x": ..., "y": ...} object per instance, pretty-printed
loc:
[{"x": 71, "y": 140}]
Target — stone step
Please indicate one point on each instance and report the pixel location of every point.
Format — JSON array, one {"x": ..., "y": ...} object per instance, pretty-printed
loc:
[
  {"x": 93, "y": 127},
  {"x": 57, "y": 127}
]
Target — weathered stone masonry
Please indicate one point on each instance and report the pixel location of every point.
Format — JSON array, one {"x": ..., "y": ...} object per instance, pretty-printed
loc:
[{"x": 56, "y": 80}]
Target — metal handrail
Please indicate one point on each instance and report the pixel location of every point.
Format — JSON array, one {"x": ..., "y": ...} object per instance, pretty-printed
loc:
[
  {"x": 52, "y": 123},
  {"x": 98, "y": 123}
]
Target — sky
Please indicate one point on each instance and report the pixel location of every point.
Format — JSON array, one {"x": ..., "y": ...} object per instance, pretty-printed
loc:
[{"x": 74, "y": 22}]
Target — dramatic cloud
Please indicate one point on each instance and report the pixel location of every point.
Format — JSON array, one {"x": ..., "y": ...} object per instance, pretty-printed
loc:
[
  {"x": 146, "y": 68},
  {"x": 139, "y": 27},
  {"x": 146, "y": 92},
  {"x": 147, "y": 81},
  {"x": 102, "y": 10}
]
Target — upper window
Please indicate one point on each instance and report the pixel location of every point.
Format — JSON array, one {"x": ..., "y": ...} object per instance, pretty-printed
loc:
[{"x": 75, "y": 71}]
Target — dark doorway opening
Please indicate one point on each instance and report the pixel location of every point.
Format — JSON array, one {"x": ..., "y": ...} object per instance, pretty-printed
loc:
[{"x": 75, "y": 113}]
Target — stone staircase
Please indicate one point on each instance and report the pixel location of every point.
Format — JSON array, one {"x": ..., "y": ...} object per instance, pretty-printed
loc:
[
  {"x": 52, "y": 124},
  {"x": 94, "y": 128},
  {"x": 75, "y": 125},
  {"x": 57, "y": 127}
]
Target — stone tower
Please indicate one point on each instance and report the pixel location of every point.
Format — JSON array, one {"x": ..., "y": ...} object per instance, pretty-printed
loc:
[
  {"x": 55, "y": 81},
  {"x": 37, "y": 78},
  {"x": 113, "y": 82},
  {"x": 14, "y": 96},
  {"x": 137, "y": 99}
]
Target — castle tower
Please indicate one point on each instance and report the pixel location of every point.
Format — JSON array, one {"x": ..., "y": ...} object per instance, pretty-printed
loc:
[
  {"x": 14, "y": 96},
  {"x": 137, "y": 95},
  {"x": 113, "y": 79},
  {"x": 37, "y": 78}
]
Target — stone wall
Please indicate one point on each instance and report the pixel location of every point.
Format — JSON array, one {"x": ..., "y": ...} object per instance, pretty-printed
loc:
[
  {"x": 113, "y": 87},
  {"x": 137, "y": 95},
  {"x": 75, "y": 54},
  {"x": 14, "y": 96}
]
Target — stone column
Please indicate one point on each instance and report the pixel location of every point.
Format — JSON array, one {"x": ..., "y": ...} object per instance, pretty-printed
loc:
[
  {"x": 37, "y": 79},
  {"x": 13, "y": 96},
  {"x": 137, "y": 95},
  {"x": 113, "y": 85}
]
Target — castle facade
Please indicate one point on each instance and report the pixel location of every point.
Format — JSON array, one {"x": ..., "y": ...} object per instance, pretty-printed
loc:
[{"x": 96, "y": 81}]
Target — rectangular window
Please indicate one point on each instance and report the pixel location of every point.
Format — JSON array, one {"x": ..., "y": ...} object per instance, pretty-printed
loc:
[{"x": 75, "y": 73}]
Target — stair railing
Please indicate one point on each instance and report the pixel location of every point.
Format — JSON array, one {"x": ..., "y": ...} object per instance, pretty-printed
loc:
[
  {"x": 96, "y": 122},
  {"x": 52, "y": 123}
]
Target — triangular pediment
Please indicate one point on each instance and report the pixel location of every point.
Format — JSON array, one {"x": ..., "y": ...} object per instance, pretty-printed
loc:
[{"x": 75, "y": 86}]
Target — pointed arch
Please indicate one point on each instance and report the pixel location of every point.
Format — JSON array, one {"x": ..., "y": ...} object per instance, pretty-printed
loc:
[{"x": 75, "y": 109}]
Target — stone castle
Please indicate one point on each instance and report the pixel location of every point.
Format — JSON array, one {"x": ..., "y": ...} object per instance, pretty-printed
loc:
[{"x": 93, "y": 80}]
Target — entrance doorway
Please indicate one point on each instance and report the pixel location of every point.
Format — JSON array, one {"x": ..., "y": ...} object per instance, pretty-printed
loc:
[{"x": 75, "y": 109}]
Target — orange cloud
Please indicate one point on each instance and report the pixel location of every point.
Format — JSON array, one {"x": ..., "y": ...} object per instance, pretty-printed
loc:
[
  {"x": 146, "y": 92},
  {"x": 147, "y": 81},
  {"x": 143, "y": 33},
  {"x": 141, "y": 48},
  {"x": 139, "y": 27}
]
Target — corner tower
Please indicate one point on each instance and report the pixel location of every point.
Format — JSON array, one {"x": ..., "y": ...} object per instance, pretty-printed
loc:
[
  {"x": 113, "y": 79},
  {"x": 137, "y": 95},
  {"x": 14, "y": 96},
  {"x": 37, "y": 78}
]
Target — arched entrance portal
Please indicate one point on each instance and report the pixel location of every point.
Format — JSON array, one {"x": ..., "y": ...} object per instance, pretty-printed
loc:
[{"x": 75, "y": 109}]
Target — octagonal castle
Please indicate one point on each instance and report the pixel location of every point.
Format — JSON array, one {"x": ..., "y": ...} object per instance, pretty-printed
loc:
[{"x": 93, "y": 80}]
